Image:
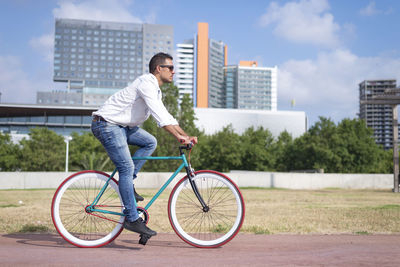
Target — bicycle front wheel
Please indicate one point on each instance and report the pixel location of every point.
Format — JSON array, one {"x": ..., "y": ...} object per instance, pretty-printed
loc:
[
  {"x": 84, "y": 228},
  {"x": 215, "y": 226}
]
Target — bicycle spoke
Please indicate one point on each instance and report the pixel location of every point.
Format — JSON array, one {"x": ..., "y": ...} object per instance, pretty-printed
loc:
[
  {"x": 211, "y": 227},
  {"x": 84, "y": 228}
]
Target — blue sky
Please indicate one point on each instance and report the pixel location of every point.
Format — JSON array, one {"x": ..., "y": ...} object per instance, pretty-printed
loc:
[{"x": 323, "y": 48}]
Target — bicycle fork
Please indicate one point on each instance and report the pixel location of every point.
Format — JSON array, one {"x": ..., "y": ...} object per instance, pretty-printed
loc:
[{"x": 191, "y": 174}]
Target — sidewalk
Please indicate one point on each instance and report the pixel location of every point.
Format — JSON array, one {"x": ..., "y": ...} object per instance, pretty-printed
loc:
[{"x": 169, "y": 250}]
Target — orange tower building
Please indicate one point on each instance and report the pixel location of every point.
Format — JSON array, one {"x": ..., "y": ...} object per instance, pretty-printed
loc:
[
  {"x": 200, "y": 69},
  {"x": 211, "y": 57},
  {"x": 202, "y": 65}
]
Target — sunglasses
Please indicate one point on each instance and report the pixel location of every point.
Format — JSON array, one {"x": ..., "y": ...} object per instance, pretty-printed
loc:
[{"x": 170, "y": 67}]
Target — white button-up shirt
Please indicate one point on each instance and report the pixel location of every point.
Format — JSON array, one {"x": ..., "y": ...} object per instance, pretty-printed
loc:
[{"x": 132, "y": 105}]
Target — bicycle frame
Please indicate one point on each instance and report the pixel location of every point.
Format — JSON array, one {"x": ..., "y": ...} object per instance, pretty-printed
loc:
[{"x": 184, "y": 164}]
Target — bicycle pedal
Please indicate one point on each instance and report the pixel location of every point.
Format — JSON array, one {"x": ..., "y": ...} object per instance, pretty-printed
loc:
[{"x": 143, "y": 239}]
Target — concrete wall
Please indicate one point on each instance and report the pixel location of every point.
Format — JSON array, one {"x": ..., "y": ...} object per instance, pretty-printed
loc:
[
  {"x": 312, "y": 180},
  {"x": 27, "y": 180}
]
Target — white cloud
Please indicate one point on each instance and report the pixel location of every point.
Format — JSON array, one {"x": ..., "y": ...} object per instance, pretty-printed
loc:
[
  {"x": 151, "y": 17},
  {"x": 328, "y": 85},
  {"x": 370, "y": 9},
  {"x": 101, "y": 10},
  {"x": 13, "y": 80},
  {"x": 44, "y": 45},
  {"x": 20, "y": 86},
  {"x": 306, "y": 21}
]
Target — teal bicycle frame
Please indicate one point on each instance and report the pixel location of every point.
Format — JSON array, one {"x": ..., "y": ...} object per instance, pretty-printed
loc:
[{"x": 185, "y": 164}]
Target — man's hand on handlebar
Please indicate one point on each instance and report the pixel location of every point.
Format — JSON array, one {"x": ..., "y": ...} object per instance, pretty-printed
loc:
[
  {"x": 188, "y": 140},
  {"x": 180, "y": 135},
  {"x": 193, "y": 139}
]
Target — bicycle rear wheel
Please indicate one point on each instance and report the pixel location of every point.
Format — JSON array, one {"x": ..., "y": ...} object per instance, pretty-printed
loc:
[
  {"x": 212, "y": 228},
  {"x": 74, "y": 223}
]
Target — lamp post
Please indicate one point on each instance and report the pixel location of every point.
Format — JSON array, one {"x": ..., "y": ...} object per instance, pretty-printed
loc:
[{"x": 66, "y": 140}]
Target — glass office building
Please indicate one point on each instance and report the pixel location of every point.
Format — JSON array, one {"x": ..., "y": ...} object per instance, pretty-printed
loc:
[
  {"x": 216, "y": 62},
  {"x": 248, "y": 86},
  {"x": 18, "y": 119},
  {"x": 230, "y": 82},
  {"x": 98, "y": 58}
]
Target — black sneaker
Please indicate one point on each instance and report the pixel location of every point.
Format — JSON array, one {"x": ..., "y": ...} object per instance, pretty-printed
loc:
[
  {"x": 137, "y": 196},
  {"x": 139, "y": 226}
]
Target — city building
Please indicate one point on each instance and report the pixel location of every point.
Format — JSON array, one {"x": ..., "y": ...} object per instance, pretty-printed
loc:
[
  {"x": 18, "y": 119},
  {"x": 184, "y": 68},
  {"x": 217, "y": 59},
  {"x": 248, "y": 86},
  {"x": 230, "y": 82},
  {"x": 59, "y": 98},
  {"x": 203, "y": 73},
  {"x": 98, "y": 58},
  {"x": 209, "y": 58},
  {"x": 378, "y": 117}
]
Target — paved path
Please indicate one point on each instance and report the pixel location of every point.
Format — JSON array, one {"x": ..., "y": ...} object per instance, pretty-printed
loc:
[{"x": 169, "y": 250}]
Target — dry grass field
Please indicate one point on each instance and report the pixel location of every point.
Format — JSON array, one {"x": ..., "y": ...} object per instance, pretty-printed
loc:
[{"x": 268, "y": 211}]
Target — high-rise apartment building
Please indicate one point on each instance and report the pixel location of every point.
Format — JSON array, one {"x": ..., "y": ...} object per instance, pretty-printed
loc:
[
  {"x": 202, "y": 72},
  {"x": 248, "y": 86},
  {"x": 205, "y": 58},
  {"x": 184, "y": 68},
  {"x": 211, "y": 57},
  {"x": 98, "y": 58},
  {"x": 378, "y": 117}
]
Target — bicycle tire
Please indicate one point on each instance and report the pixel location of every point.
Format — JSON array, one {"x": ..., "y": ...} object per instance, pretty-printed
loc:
[
  {"x": 70, "y": 218},
  {"x": 212, "y": 228}
]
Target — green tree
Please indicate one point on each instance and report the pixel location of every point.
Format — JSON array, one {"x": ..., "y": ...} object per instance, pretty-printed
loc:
[
  {"x": 170, "y": 96},
  {"x": 220, "y": 151},
  {"x": 311, "y": 150},
  {"x": 187, "y": 116},
  {"x": 348, "y": 147},
  {"x": 257, "y": 150},
  {"x": 386, "y": 162},
  {"x": 43, "y": 151},
  {"x": 87, "y": 153},
  {"x": 9, "y": 154},
  {"x": 360, "y": 153},
  {"x": 281, "y": 150}
]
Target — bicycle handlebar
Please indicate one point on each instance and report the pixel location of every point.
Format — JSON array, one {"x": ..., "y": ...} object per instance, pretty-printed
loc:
[{"x": 187, "y": 146}]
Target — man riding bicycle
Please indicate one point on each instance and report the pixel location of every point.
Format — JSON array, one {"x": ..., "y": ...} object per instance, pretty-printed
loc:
[{"x": 116, "y": 126}]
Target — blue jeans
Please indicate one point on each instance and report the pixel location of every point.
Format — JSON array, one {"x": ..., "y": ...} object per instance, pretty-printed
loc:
[{"x": 115, "y": 140}]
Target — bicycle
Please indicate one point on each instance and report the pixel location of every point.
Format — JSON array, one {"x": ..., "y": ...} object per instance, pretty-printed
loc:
[{"x": 205, "y": 208}]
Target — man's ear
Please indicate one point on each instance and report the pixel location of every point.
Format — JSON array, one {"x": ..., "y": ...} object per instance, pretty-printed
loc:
[{"x": 157, "y": 70}]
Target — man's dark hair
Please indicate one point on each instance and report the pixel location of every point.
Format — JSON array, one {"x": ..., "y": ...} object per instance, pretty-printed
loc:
[{"x": 158, "y": 59}]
